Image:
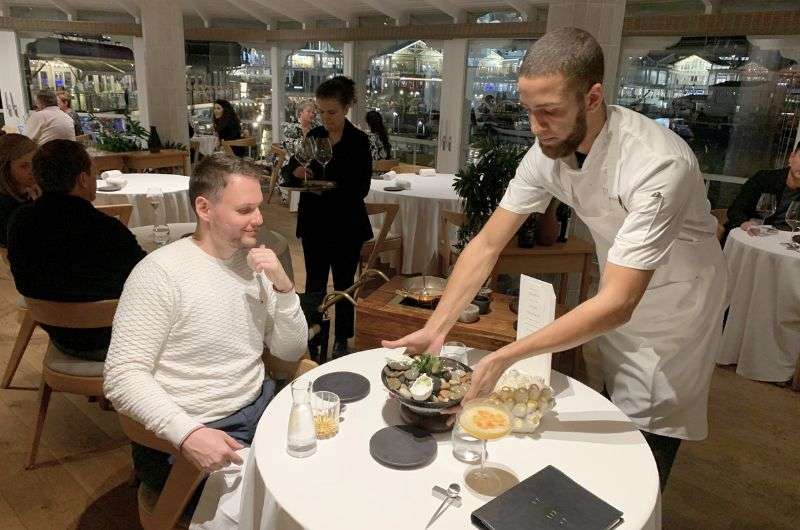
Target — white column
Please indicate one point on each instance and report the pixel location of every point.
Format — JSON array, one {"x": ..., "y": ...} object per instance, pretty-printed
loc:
[
  {"x": 276, "y": 62},
  {"x": 161, "y": 70},
  {"x": 454, "y": 109},
  {"x": 12, "y": 82},
  {"x": 348, "y": 70},
  {"x": 603, "y": 19}
]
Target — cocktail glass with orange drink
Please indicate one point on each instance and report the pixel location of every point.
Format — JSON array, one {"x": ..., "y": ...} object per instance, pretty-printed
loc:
[{"x": 485, "y": 421}]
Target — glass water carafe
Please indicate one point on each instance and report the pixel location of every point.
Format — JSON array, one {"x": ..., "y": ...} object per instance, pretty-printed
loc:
[{"x": 301, "y": 438}]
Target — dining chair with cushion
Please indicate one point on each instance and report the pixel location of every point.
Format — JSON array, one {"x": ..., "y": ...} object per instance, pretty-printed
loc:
[
  {"x": 279, "y": 154},
  {"x": 381, "y": 241},
  {"x": 122, "y": 212},
  {"x": 166, "y": 509},
  {"x": 26, "y": 328},
  {"x": 447, "y": 251},
  {"x": 408, "y": 168},
  {"x": 62, "y": 372}
]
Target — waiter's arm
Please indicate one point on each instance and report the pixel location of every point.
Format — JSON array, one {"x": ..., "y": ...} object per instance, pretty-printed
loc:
[
  {"x": 470, "y": 272},
  {"x": 621, "y": 289}
]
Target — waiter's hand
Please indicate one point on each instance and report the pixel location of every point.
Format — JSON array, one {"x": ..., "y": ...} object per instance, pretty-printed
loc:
[
  {"x": 303, "y": 173},
  {"x": 751, "y": 227},
  {"x": 264, "y": 260},
  {"x": 485, "y": 375},
  {"x": 211, "y": 449},
  {"x": 424, "y": 340}
]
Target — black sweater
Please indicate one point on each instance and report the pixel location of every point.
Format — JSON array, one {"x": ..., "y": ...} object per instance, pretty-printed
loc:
[
  {"x": 62, "y": 249},
  {"x": 338, "y": 214},
  {"x": 8, "y": 206}
]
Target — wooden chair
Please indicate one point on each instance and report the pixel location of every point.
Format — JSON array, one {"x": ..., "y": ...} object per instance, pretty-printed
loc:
[
  {"x": 280, "y": 158},
  {"x": 26, "y": 328},
  {"x": 62, "y": 372},
  {"x": 122, "y": 212},
  {"x": 379, "y": 167},
  {"x": 174, "y": 160},
  {"x": 722, "y": 217},
  {"x": 446, "y": 250},
  {"x": 228, "y": 145},
  {"x": 381, "y": 242},
  {"x": 408, "y": 168},
  {"x": 164, "y": 510}
]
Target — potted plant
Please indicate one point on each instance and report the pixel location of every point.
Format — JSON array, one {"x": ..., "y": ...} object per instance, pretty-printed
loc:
[
  {"x": 130, "y": 138},
  {"x": 482, "y": 183}
]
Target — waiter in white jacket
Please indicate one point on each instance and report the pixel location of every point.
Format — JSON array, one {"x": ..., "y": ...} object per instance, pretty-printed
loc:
[{"x": 637, "y": 186}]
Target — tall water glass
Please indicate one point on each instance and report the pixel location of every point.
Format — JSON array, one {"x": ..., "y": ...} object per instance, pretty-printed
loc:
[
  {"x": 766, "y": 206},
  {"x": 301, "y": 438},
  {"x": 793, "y": 220}
]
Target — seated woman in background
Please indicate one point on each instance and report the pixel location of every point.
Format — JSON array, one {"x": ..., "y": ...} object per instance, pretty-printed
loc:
[
  {"x": 227, "y": 125},
  {"x": 17, "y": 185},
  {"x": 378, "y": 137},
  {"x": 306, "y": 120},
  {"x": 65, "y": 104}
]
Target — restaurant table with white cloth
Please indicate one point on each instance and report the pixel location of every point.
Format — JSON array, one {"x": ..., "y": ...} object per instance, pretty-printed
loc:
[
  {"x": 762, "y": 332},
  {"x": 204, "y": 143},
  {"x": 269, "y": 238},
  {"x": 175, "y": 207},
  {"x": 341, "y": 486},
  {"x": 417, "y": 220}
]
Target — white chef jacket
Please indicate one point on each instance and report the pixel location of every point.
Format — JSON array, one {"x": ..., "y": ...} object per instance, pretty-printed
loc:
[
  {"x": 50, "y": 123},
  {"x": 641, "y": 194}
]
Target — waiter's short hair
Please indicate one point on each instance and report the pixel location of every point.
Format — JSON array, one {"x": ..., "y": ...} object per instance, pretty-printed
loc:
[
  {"x": 210, "y": 176},
  {"x": 572, "y": 52}
]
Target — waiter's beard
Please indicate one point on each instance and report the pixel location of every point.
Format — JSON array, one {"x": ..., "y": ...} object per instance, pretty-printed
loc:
[{"x": 576, "y": 136}]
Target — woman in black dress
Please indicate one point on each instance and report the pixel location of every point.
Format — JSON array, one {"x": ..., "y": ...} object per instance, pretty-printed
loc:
[
  {"x": 227, "y": 125},
  {"x": 333, "y": 225}
]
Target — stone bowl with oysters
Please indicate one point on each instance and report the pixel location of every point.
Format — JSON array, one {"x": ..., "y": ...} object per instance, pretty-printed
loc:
[{"x": 426, "y": 384}]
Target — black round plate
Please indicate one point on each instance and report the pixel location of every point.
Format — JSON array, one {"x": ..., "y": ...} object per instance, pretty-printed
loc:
[
  {"x": 402, "y": 446},
  {"x": 393, "y": 188},
  {"x": 348, "y": 386}
]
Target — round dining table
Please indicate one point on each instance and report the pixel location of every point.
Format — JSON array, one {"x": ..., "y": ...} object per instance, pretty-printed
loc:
[
  {"x": 417, "y": 220},
  {"x": 176, "y": 207},
  {"x": 762, "y": 332},
  {"x": 341, "y": 486},
  {"x": 269, "y": 238}
]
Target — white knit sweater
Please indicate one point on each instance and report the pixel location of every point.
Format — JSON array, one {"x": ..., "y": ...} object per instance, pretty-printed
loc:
[{"x": 188, "y": 337}]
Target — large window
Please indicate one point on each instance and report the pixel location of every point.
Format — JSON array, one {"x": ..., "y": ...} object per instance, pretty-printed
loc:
[
  {"x": 98, "y": 71},
  {"x": 305, "y": 69},
  {"x": 402, "y": 81},
  {"x": 234, "y": 72},
  {"x": 735, "y": 100}
]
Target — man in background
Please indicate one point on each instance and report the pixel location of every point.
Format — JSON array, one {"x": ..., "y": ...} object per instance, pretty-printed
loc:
[{"x": 49, "y": 122}]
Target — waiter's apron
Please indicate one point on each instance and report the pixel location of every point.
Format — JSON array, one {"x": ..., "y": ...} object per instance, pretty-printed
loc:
[{"x": 657, "y": 367}]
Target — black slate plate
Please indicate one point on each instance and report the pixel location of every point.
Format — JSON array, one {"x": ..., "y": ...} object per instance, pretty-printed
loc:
[
  {"x": 348, "y": 386},
  {"x": 403, "y": 446}
]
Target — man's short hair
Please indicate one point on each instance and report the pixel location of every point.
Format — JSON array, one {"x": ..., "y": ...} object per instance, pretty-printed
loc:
[
  {"x": 210, "y": 176},
  {"x": 58, "y": 163},
  {"x": 572, "y": 52},
  {"x": 46, "y": 98}
]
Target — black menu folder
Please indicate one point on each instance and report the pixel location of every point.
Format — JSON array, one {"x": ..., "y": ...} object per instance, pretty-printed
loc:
[{"x": 547, "y": 500}]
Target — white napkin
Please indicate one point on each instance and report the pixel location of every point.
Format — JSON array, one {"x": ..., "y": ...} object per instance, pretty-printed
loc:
[
  {"x": 110, "y": 173},
  {"x": 117, "y": 180},
  {"x": 403, "y": 183},
  {"x": 427, "y": 172},
  {"x": 389, "y": 175}
]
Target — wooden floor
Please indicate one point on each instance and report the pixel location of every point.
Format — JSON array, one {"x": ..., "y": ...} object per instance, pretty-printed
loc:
[{"x": 746, "y": 475}]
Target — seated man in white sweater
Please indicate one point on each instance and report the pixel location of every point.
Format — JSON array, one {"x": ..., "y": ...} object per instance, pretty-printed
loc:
[{"x": 185, "y": 353}]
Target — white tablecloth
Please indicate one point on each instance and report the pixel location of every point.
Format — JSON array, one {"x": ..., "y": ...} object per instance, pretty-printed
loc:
[
  {"x": 762, "y": 333},
  {"x": 206, "y": 143},
  {"x": 342, "y": 487},
  {"x": 270, "y": 238},
  {"x": 176, "y": 208},
  {"x": 418, "y": 218}
]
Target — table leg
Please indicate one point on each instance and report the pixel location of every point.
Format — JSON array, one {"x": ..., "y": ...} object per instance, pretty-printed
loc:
[
  {"x": 584, "y": 288},
  {"x": 562, "y": 288}
]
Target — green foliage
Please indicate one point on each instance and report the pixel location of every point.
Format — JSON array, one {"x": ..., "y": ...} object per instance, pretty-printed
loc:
[
  {"x": 131, "y": 139},
  {"x": 481, "y": 185}
]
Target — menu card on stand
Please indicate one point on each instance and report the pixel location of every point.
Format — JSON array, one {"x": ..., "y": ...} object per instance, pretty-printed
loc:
[{"x": 537, "y": 308}]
